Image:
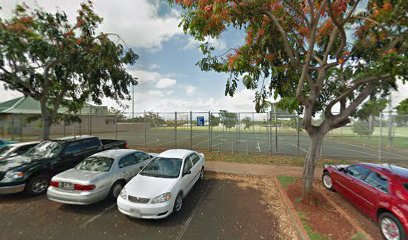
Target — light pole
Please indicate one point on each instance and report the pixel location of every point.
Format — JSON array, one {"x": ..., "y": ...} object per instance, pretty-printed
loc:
[{"x": 133, "y": 106}]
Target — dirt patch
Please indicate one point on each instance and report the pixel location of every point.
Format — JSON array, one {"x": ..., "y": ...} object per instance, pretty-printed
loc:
[
  {"x": 270, "y": 201},
  {"x": 368, "y": 225},
  {"x": 322, "y": 221}
]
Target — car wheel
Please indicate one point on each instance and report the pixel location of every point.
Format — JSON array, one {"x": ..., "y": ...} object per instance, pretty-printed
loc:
[
  {"x": 115, "y": 190},
  {"x": 327, "y": 181},
  {"x": 38, "y": 185},
  {"x": 178, "y": 203},
  {"x": 391, "y": 227},
  {"x": 202, "y": 174}
]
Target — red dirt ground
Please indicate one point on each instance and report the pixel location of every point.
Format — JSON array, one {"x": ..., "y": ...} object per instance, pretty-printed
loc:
[{"x": 324, "y": 218}]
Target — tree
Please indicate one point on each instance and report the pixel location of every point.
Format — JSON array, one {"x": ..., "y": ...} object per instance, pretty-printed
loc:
[
  {"x": 228, "y": 119},
  {"x": 214, "y": 121},
  {"x": 402, "y": 108},
  {"x": 402, "y": 111},
  {"x": 247, "y": 122},
  {"x": 313, "y": 54},
  {"x": 371, "y": 108},
  {"x": 362, "y": 128},
  {"x": 62, "y": 64},
  {"x": 154, "y": 119}
]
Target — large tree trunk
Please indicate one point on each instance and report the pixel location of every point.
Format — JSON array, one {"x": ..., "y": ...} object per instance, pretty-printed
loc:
[
  {"x": 46, "y": 119},
  {"x": 310, "y": 164}
]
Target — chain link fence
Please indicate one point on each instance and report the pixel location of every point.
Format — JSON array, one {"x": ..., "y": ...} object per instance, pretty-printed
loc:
[{"x": 379, "y": 138}]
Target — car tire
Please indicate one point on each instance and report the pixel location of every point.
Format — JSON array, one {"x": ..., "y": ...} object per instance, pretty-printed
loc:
[
  {"x": 178, "y": 203},
  {"x": 201, "y": 174},
  {"x": 38, "y": 185},
  {"x": 389, "y": 225},
  {"x": 327, "y": 181},
  {"x": 115, "y": 190}
]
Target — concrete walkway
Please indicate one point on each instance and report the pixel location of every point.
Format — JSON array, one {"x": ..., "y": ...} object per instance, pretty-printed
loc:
[{"x": 258, "y": 169}]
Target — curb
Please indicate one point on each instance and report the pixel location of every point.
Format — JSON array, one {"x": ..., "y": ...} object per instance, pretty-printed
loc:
[
  {"x": 344, "y": 214},
  {"x": 290, "y": 209}
]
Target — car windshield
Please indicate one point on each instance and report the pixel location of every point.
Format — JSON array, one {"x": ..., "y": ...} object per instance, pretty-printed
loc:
[
  {"x": 163, "y": 168},
  {"x": 4, "y": 150},
  {"x": 46, "y": 149},
  {"x": 96, "y": 164}
]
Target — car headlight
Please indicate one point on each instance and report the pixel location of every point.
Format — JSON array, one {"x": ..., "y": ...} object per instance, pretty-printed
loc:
[
  {"x": 123, "y": 194},
  {"x": 11, "y": 176},
  {"x": 162, "y": 198}
]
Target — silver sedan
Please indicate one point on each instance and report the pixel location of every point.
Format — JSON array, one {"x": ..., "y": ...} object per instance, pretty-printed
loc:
[{"x": 97, "y": 177}]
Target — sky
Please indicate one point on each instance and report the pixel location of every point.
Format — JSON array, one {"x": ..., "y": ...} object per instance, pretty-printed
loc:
[{"x": 168, "y": 78}]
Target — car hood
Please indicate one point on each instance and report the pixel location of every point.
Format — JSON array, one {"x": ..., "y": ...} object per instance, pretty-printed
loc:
[
  {"x": 149, "y": 187},
  {"x": 78, "y": 176},
  {"x": 13, "y": 162}
]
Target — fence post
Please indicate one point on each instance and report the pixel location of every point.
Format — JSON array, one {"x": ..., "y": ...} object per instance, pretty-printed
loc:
[
  {"x": 21, "y": 127},
  {"x": 253, "y": 133},
  {"x": 145, "y": 132},
  {"x": 298, "y": 133},
  {"x": 209, "y": 131},
  {"x": 276, "y": 132},
  {"x": 90, "y": 120},
  {"x": 270, "y": 133},
  {"x": 239, "y": 133},
  {"x": 191, "y": 130},
  {"x": 380, "y": 141},
  {"x": 12, "y": 127},
  {"x": 116, "y": 126},
  {"x": 175, "y": 129}
]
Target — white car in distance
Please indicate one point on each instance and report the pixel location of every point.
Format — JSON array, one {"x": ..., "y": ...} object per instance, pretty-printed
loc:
[{"x": 159, "y": 189}]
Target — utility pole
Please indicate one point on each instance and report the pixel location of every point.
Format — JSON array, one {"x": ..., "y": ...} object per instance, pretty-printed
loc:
[
  {"x": 390, "y": 120},
  {"x": 133, "y": 106}
]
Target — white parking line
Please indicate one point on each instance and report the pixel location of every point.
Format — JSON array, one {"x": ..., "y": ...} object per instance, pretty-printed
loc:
[
  {"x": 185, "y": 226},
  {"x": 97, "y": 216}
]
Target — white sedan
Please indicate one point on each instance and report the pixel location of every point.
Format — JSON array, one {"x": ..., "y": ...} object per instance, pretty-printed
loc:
[{"x": 160, "y": 187}]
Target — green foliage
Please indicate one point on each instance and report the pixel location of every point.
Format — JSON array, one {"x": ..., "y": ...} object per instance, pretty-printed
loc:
[
  {"x": 362, "y": 128},
  {"x": 372, "y": 107},
  {"x": 228, "y": 119},
  {"x": 62, "y": 63},
  {"x": 402, "y": 107},
  {"x": 153, "y": 119},
  {"x": 285, "y": 181},
  {"x": 214, "y": 121},
  {"x": 247, "y": 121}
]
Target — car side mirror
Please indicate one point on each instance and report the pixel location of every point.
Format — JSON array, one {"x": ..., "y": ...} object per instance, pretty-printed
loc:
[{"x": 186, "y": 173}]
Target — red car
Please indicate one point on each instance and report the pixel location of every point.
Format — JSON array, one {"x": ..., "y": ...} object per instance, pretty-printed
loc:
[{"x": 380, "y": 191}]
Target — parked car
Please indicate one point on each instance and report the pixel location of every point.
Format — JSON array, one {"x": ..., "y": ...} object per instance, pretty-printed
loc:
[
  {"x": 5, "y": 142},
  {"x": 97, "y": 177},
  {"x": 380, "y": 191},
  {"x": 32, "y": 171},
  {"x": 16, "y": 149},
  {"x": 159, "y": 189}
]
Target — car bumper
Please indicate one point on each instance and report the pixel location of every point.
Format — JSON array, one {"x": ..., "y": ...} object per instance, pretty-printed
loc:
[
  {"x": 12, "y": 189},
  {"x": 76, "y": 198},
  {"x": 147, "y": 211}
]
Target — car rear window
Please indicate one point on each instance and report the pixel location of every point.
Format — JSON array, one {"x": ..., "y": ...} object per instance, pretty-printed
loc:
[
  {"x": 96, "y": 164},
  {"x": 406, "y": 186}
]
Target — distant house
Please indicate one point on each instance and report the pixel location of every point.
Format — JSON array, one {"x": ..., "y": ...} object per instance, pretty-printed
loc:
[{"x": 16, "y": 118}]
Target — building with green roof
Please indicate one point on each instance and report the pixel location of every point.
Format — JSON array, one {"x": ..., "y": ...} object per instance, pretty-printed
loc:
[{"x": 22, "y": 116}]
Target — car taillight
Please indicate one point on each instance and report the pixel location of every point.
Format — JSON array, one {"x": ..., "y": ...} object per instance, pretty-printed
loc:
[
  {"x": 81, "y": 187},
  {"x": 54, "y": 184}
]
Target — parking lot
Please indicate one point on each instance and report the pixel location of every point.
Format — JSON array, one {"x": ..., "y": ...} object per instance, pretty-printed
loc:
[{"x": 216, "y": 208}]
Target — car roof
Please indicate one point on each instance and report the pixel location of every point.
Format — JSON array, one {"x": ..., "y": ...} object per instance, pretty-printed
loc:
[
  {"x": 73, "y": 138},
  {"x": 175, "y": 153},
  {"x": 20, "y": 144},
  {"x": 388, "y": 169},
  {"x": 115, "y": 153}
]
